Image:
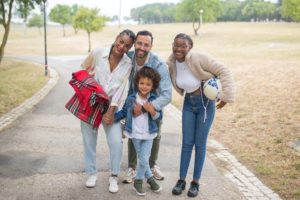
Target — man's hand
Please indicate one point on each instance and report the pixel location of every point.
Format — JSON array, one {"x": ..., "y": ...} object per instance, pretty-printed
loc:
[
  {"x": 108, "y": 117},
  {"x": 220, "y": 104},
  {"x": 137, "y": 110},
  {"x": 149, "y": 108}
]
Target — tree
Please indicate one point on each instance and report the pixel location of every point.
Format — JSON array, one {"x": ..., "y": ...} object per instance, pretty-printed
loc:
[
  {"x": 62, "y": 15},
  {"x": 5, "y": 18},
  {"x": 154, "y": 13},
  {"x": 25, "y": 6},
  {"x": 90, "y": 21},
  {"x": 74, "y": 10},
  {"x": 258, "y": 10},
  {"x": 230, "y": 10},
  {"x": 189, "y": 10},
  {"x": 291, "y": 9},
  {"x": 36, "y": 21}
]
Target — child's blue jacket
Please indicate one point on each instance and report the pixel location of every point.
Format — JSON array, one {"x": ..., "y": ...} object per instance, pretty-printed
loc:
[{"x": 127, "y": 110}]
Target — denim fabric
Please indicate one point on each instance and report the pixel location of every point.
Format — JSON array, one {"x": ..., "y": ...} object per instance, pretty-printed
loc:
[
  {"x": 132, "y": 160},
  {"x": 143, "y": 149},
  {"x": 195, "y": 132},
  {"x": 164, "y": 92},
  {"x": 127, "y": 112},
  {"x": 115, "y": 143},
  {"x": 89, "y": 136}
]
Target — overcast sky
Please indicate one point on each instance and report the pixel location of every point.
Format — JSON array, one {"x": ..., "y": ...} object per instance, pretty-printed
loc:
[{"x": 109, "y": 7}]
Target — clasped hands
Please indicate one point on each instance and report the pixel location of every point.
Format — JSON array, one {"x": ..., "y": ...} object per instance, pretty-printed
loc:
[{"x": 137, "y": 109}]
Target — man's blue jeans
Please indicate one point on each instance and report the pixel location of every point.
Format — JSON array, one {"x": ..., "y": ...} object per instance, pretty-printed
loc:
[
  {"x": 143, "y": 150},
  {"x": 195, "y": 132}
]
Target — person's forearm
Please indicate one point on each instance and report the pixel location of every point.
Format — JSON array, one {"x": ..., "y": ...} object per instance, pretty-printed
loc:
[{"x": 164, "y": 99}]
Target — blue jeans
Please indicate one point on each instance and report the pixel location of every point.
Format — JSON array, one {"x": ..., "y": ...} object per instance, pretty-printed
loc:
[
  {"x": 115, "y": 144},
  {"x": 195, "y": 132},
  {"x": 143, "y": 150}
]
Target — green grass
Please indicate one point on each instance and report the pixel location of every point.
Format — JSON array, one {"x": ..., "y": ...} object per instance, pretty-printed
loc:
[{"x": 18, "y": 82}]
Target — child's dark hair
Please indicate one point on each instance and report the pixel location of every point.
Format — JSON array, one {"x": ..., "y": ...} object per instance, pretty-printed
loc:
[{"x": 147, "y": 72}]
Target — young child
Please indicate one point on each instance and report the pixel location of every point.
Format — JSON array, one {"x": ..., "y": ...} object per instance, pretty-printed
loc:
[{"x": 142, "y": 129}]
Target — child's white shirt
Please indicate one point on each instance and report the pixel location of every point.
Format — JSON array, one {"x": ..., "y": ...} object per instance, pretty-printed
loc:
[{"x": 140, "y": 124}]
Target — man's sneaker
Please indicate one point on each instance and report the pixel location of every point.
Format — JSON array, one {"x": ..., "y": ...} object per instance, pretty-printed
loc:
[
  {"x": 153, "y": 185},
  {"x": 138, "y": 187},
  {"x": 113, "y": 184},
  {"x": 130, "y": 175},
  {"x": 91, "y": 181},
  {"x": 158, "y": 175}
]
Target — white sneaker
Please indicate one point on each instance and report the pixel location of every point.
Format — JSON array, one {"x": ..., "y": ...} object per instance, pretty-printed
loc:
[
  {"x": 130, "y": 175},
  {"x": 91, "y": 182},
  {"x": 113, "y": 184},
  {"x": 157, "y": 174}
]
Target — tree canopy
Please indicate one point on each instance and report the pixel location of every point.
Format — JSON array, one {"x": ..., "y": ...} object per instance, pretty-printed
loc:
[
  {"x": 154, "y": 13},
  {"x": 36, "y": 21},
  {"x": 189, "y": 10},
  {"x": 89, "y": 20},
  {"x": 61, "y": 14},
  {"x": 24, "y": 6},
  {"x": 291, "y": 9}
]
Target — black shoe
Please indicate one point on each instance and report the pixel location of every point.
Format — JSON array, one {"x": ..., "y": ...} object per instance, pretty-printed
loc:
[
  {"x": 180, "y": 185},
  {"x": 194, "y": 189}
]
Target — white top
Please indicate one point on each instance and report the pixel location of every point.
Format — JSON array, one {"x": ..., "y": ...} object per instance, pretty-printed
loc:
[
  {"x": 140, "y": 124},
  {"x": 185, "y": 78},
  {"x": 114, "y": 83}
]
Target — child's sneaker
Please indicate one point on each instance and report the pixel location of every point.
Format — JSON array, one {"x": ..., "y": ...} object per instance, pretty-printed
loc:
[
  {"x": 138, "y": 187},
  {"x": 153, "y": 185}
]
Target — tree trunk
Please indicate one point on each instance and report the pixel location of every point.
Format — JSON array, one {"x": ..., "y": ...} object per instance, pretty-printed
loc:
[
  {"x": 196, "y": 26},
  {"x": 4, "y": 41},
  {"x": 75, "y": 30},
  {"x": 89, "y": 38},
  {"x": 6, "y": 26}
]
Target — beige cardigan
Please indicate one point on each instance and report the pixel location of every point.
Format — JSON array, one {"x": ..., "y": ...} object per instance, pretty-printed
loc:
[{"x": 205, "y": 67}]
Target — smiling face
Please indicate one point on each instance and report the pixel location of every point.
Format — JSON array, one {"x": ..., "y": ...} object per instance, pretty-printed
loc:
[
  {"x": 142, "y": 46},
  {"x": 122, "y": 44},
  {"x": 145, "y": 85},
  {"x": 181, "y": 47}
]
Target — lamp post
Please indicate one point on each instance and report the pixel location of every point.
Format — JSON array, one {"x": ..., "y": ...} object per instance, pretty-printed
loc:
[
  {"x": 120, "y": 13},
  {"x": 45, "y": 38},
  {"x": 200, "y": 16}
]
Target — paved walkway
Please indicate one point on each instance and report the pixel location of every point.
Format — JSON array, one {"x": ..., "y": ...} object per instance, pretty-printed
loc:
[{"x": 41, "y": 153}]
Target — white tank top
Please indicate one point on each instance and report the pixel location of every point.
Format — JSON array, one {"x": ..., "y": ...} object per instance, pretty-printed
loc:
[{"x": 185, "y": 79}]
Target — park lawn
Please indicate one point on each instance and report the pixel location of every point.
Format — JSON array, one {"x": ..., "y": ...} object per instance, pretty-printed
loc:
[
  {"x": 18, "y": 81},
  {"x": 265, "y": 60}
]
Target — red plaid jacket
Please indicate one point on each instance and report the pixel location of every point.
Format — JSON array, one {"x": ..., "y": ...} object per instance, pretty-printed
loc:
[{"x": 90, "y": 101}]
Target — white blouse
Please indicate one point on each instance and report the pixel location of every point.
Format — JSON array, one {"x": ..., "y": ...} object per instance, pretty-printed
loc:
[
  {"x": 115, "y": 83},
  {"x": 185, "y": 79}
]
